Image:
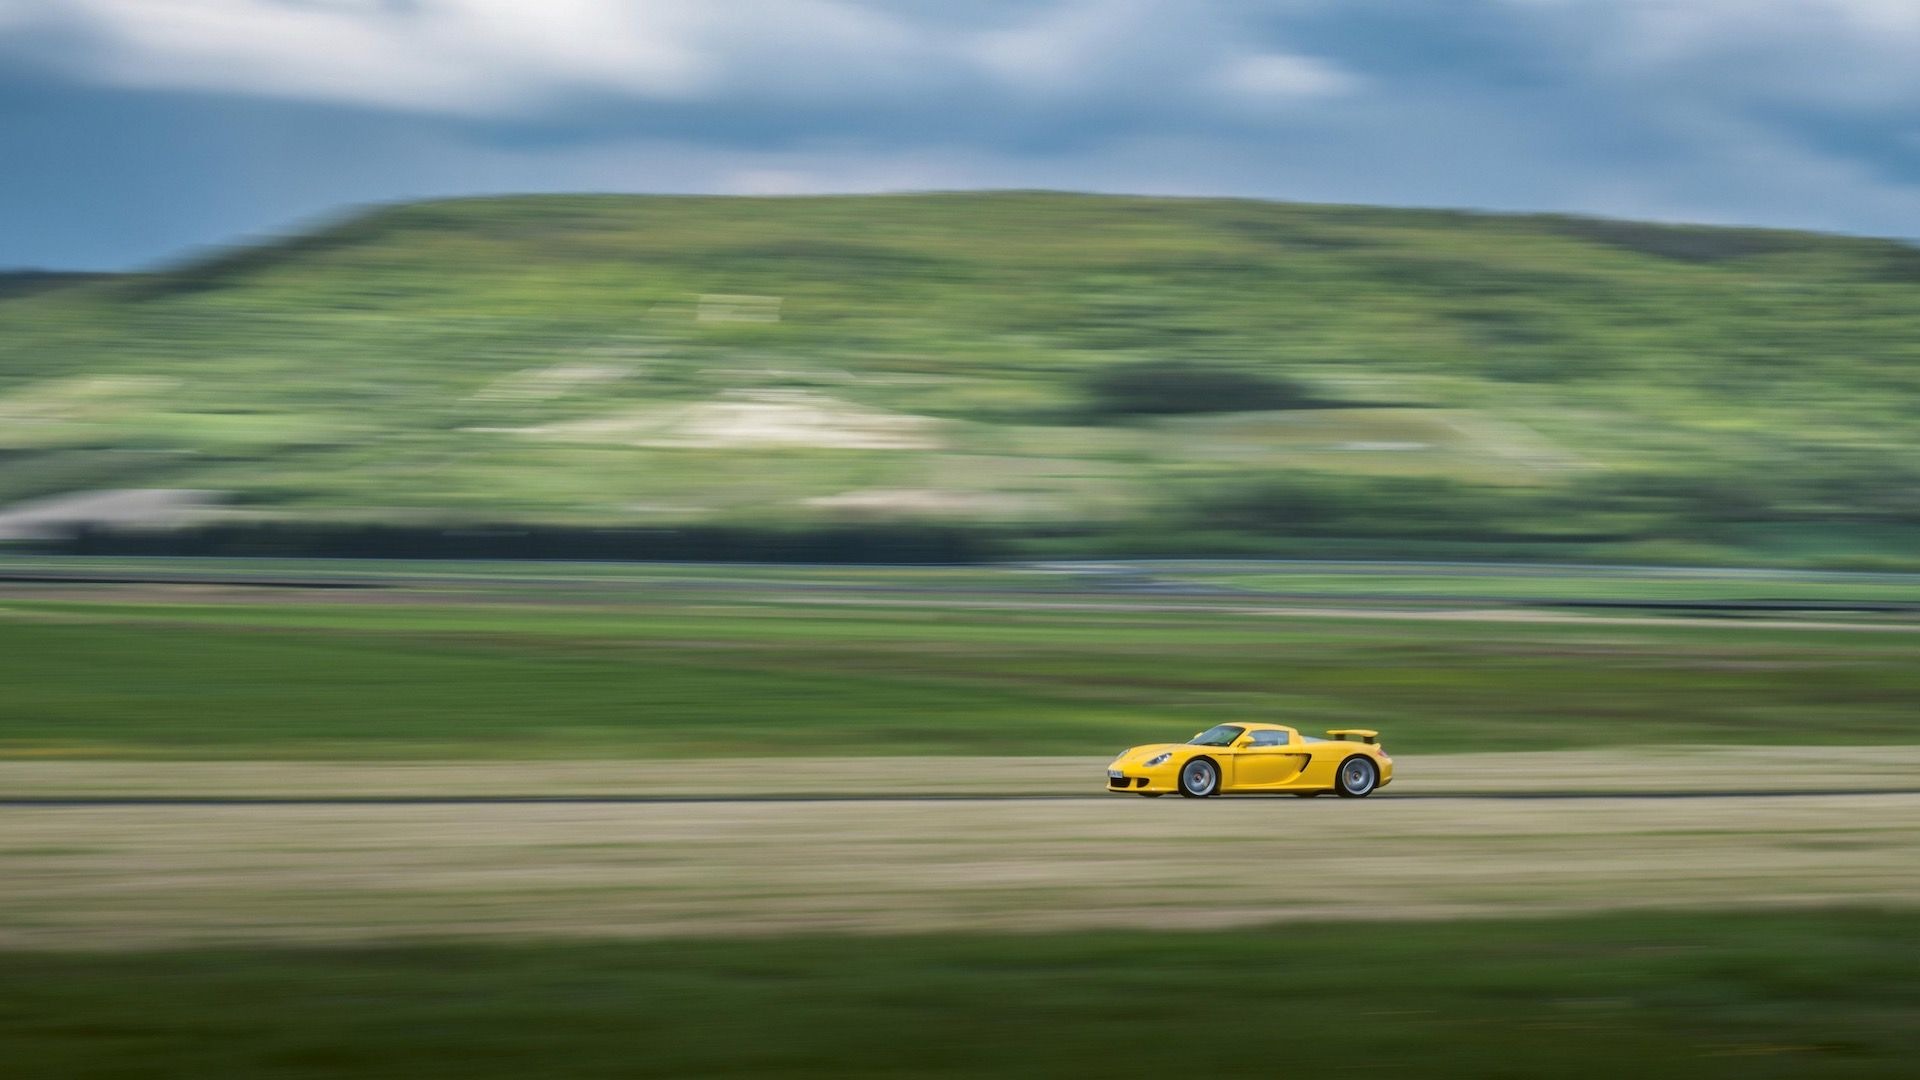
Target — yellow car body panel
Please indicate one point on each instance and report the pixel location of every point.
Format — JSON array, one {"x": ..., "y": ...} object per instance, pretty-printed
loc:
[{"x": 1262, "y": 758}]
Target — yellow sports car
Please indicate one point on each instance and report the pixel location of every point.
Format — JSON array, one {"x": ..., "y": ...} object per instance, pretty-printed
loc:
[{"x": 1244, "y": 759}]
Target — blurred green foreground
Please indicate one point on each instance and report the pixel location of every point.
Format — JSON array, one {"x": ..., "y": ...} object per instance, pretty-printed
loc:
[{"x": 1788, "y": 995}]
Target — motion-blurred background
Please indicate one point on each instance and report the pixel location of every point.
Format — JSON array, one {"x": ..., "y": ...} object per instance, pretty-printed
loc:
[{"x": 606, "y": 538}]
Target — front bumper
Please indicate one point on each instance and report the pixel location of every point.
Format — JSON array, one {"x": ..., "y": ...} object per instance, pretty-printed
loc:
[{"x": 1135, "y": 780}]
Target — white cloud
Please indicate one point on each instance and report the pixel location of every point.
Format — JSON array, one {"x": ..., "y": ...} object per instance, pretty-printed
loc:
[
  {"x": 1284, "y": 76},
  {"x": 1063, "y": 48},
  {"x": 458, "y": 56},
  {"x": 441, "y": 55},
  {"x": 505, "y": 57}
]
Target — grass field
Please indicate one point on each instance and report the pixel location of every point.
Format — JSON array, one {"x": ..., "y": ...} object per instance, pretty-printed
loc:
[
  {"x": 913, "y": 662},
  {"x": 1749, "y": 996}
]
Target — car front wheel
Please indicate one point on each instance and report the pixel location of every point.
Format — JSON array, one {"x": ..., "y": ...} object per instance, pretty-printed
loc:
[
  {"x": 1199, "y": 778},
  {"x": 1358, "y": 777}
]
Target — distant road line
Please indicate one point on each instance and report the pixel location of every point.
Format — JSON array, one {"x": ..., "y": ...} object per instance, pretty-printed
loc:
[{"x": 1093, "y": 589}]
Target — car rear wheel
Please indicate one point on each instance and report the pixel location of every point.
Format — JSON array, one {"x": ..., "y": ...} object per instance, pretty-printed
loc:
[
  {"x": 1199, "y": 778},
  {"x": 1358, "y": 777}
]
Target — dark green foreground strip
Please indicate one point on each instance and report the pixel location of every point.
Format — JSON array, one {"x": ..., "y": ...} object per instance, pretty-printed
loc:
[{"x": 1834, "y": 994}]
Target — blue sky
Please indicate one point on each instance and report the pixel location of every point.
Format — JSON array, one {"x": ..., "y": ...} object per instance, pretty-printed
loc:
[{"x": 137, "y": 131}]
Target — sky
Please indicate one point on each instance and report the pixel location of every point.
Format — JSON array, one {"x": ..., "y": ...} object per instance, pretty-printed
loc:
[{"x": 138, "y": 132}]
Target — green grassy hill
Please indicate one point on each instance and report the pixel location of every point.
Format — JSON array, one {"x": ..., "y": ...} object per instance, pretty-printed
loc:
[{"x": 1444, "y": 381}]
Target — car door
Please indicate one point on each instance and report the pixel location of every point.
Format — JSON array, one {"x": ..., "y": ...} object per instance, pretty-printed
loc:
[{"x": 1266, "y": 759}]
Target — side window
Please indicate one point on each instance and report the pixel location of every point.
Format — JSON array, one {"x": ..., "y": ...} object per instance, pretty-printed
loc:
[{"x": 1269, "y": 738}]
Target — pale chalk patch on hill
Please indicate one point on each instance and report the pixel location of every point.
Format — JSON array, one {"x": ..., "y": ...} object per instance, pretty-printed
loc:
[
  {"x": 922, "y": 501},
  {"x": 790, "y": 376},
  {"x": 750, "y": 419},
  {"x": 799, "y": 418},
  {"x": 1515, "y": 442},
  {"x": 544, "y": 384},
  {"x": 56, "y": 515}
]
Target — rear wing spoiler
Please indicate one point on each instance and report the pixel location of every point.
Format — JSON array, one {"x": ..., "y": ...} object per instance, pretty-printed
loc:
[{"x": 1349, "y": 734}]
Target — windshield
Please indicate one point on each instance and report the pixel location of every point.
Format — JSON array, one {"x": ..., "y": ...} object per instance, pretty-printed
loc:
[{"x": 1222, "y": 735}]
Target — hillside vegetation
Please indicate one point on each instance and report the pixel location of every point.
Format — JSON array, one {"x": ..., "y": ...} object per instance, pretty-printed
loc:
[{"x": 1074, "y": 373}]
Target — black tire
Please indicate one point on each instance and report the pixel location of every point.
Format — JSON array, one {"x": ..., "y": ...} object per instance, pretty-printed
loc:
[
  {"x": 1198, "y": 782},
  {"x": 1357, "y": 778}
]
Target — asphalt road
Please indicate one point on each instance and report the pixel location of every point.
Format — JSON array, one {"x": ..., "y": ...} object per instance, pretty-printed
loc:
[{"x": 327, "y": 871}]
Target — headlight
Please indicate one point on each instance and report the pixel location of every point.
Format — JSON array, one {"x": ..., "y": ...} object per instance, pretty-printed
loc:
[{"x": 1158, "y": 759}]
